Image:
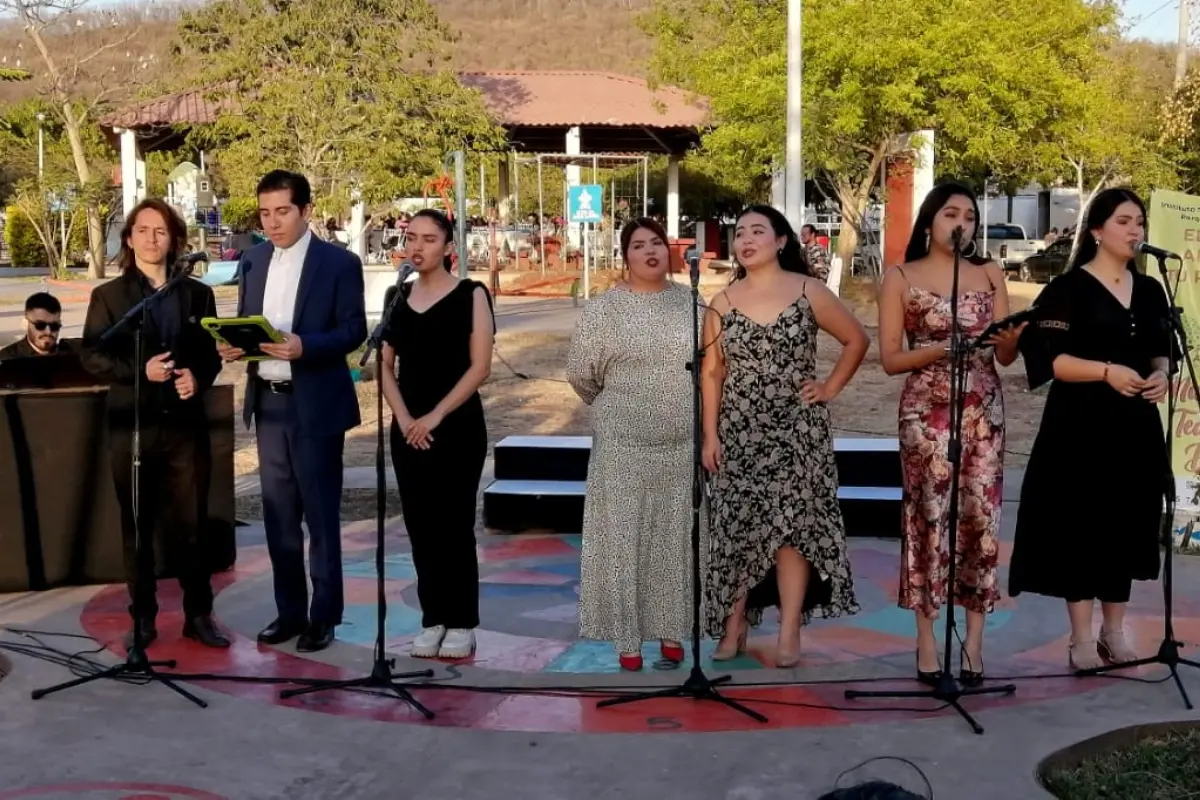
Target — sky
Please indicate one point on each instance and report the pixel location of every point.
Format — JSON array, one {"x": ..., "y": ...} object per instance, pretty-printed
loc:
[{"x": 1153, "y": 19}]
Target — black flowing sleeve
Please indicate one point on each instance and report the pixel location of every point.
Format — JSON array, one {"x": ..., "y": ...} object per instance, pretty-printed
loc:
[
  {"x": 1049, "y": 335},
  {"x": 1155, "y": 337}
]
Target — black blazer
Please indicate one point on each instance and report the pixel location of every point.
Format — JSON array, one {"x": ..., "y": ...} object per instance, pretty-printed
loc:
[{"x": 112, "y": 362}]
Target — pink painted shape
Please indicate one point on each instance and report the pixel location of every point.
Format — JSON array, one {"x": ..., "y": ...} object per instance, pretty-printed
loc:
[
  {"x": 508, "y": 549},
  {"x": 527, "y": 577}
]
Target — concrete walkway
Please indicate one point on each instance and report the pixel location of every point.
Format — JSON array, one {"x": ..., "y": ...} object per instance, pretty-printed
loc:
[{"x": 118, "y": 740}]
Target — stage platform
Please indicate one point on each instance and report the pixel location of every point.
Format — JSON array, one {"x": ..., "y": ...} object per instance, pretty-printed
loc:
[{"x": 513, "y": 715}]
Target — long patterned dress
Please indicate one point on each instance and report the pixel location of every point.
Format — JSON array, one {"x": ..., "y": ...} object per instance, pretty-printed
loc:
[
  {"x": 778, "y": 484},
  {"x": 628, "y": 360},
  {"x": 924, "y": 435}
]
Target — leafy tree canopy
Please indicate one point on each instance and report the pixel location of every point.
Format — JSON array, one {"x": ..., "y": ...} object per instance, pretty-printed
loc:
[{"x": 354, "y": 95}]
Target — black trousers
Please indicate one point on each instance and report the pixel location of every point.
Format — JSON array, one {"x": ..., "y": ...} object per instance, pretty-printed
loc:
[
  {"x": 438, "y": 491},
  {"x": 173, "y": 485}
]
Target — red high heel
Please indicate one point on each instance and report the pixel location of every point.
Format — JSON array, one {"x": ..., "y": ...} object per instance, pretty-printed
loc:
[
  {"x": 630, "y": 663},
  {"x": 672, "y": 652}
]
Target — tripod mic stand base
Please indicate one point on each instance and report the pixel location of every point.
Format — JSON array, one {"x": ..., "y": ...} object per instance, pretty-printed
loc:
[
  {"x": 948, "y": 691},
  {"x": 698, "y": 686},
  {"x": 381, "y": 677},
  {"x": 136, "y": 665},
  {"x": 1168, "y": 656}
]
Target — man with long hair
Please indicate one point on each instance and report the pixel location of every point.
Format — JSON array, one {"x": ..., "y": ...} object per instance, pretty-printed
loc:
[{"x": 177, "y": 367}]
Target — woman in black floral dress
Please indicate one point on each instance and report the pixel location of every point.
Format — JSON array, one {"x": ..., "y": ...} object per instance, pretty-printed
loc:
[{"x": 777, "y": 531}]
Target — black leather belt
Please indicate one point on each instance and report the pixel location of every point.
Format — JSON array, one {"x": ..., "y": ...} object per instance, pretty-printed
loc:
[{"x": 276, "y": 387}]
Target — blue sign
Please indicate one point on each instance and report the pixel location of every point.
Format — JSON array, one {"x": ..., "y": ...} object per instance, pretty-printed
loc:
[{"x": 585, "y": 203}]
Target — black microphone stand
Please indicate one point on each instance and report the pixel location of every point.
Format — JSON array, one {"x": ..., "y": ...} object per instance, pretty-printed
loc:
[
  {"x": 1168, "y": 651},
  {"x": 947, "y": 688},
  {"x": 382, "y": 675},
  {"x": 136, "y": 661},
  {"x": 698, "y": 686}
]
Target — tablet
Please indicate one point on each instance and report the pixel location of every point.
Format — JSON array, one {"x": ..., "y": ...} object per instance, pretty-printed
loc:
[
  {"x": 1011, "y": 321},
  {"x": 244, "y": 333}
]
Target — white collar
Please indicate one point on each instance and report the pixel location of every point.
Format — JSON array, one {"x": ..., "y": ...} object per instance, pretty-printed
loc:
[{"x": 299, "y": 246}]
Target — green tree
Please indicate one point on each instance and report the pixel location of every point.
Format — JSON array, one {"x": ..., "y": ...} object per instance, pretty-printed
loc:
[
  {"x": 69, "y": 41},
  {"x": 1180, "y": 121},
  {"x": 987, "y": 76},
  {"x": 353, "y": 95}
]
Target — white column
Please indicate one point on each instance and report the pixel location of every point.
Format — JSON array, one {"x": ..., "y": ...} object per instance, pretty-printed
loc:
[
  {"x": 794, "y": 176},
  {"x": 923, "y": 163},
  {"x": 133, "y": 171},
  {"x": 358, "y": 233},
  {"x": 574, "y": 148},
  {"x": 672, "y": 197}
]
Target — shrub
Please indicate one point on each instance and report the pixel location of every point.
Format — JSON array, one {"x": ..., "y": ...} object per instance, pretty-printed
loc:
[{"x": 24, "y": 247}]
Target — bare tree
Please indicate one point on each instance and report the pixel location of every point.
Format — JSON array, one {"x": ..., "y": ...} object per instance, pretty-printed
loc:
[{"x": 89, "y": 63}]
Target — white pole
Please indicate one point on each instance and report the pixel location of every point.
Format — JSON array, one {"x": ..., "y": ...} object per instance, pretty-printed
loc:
[
  {"x": 1181, "y": 56},
  {"x": 794, "y": 175},
  {"x": 587, "y": 261},
  {"x": 541, "y": 215}
]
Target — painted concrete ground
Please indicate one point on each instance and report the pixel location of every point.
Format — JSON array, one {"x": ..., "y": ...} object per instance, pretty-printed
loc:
[{"x": 533, "y": 679}]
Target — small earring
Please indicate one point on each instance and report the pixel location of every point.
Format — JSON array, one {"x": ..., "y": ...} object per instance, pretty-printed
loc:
[{"x": 927, "y": 240}]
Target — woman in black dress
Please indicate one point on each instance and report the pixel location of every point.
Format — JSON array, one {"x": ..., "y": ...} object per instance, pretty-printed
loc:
[
  {"x": 438, "y": 351},
  {"x": 1092, "y": 501}
]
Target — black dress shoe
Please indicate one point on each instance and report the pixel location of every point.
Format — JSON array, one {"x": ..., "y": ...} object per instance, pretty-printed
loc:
[
  {"x": 205, "y": 632},
  {"x": 318, "y": 636},
  {"x": 148, "y": 634},
  {"x": 280, "y": 631}
]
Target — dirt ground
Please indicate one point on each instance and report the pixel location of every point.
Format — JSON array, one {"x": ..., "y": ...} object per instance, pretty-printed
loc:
[{"x": 527, "y": 393}]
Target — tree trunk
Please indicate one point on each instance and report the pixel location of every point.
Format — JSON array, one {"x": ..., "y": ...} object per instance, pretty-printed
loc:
[
  {"x": 1082, "y": 210},
  {"x": 97, "y": 246}
]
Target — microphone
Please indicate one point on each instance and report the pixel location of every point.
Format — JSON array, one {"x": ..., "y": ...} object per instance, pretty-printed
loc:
[
  {"x": 694, "y": 270},
  {"x": 375, "y": 340},
  {"x": 1150, "y": 250},
  {"x": 186, "y": 264},
  {"x": 956, "y": 237}
]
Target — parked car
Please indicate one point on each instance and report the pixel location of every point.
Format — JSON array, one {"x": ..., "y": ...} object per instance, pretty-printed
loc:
[
  {"x": 1044, "y": 266},
  {"x": 1008, "y": 244}
]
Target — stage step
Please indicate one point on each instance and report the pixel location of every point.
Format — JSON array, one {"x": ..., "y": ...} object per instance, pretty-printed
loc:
[
  {"x": 513, "y": 506},
  {"x": 860, "y": 462}
]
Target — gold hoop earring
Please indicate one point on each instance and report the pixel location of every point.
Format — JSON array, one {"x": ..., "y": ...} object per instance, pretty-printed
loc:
[{"x": 974, "y": 249}]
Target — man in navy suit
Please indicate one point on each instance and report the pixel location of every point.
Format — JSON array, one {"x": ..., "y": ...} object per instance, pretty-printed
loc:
[{"x": 302, "y": 401}]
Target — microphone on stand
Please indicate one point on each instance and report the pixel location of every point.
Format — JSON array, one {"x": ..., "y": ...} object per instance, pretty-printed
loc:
[
  {"x": 1145, "y": 249},
  {"x": 375, "y": 341},
  {"x": 185, "y": 265},
  {"x": 956, "y": 238},
  {"x": 694, "y": 270}
]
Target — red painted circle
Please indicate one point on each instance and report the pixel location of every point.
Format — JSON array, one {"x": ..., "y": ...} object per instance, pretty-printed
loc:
[
  {"x": 107, "y": 789},
  {"x": 105, "y": 617}
]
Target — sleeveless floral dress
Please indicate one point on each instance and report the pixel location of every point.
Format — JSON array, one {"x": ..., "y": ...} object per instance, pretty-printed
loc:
[
  {"x": 778, "y": 484},
  {"x": 924, "y": 436}
]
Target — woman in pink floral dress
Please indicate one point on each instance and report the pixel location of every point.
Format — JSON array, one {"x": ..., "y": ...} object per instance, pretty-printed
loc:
[{"x": 914, "y": 305}]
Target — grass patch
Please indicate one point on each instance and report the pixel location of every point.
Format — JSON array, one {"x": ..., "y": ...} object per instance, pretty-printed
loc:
[{"x": 1163, "y": 767}]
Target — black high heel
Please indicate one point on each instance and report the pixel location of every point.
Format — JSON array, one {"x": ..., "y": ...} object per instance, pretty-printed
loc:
[
  {"x": 968, "y": 677},
  {"x": 927, "y": 678}
]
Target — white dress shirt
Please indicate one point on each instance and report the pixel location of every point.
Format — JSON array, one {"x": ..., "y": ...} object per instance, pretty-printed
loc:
[{"x": 279, "y": 300}]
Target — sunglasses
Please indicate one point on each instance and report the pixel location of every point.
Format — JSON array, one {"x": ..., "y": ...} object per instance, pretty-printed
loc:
[{"x": 41, "y": 325}]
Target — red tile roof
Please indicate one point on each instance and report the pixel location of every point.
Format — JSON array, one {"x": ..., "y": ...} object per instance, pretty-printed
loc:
[{"x": 528, "y": 98}]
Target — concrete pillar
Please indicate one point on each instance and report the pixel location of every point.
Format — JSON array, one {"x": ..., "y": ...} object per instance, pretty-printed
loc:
[
  {"x": 574, "y": 148},
  {"x": 133, "y": 171},
  {"x": 505, "y": 192},
  {"x": 673, "y": 197},
  {"x": 358, "y": 232}
]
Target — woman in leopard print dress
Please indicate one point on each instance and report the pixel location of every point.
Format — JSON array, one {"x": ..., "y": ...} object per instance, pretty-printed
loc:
[
  {"x": 777, "y": 531},
  {"x": 628, "y": 360}
]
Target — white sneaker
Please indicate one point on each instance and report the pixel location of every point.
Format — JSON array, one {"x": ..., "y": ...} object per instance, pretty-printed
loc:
[
  {"x": 459, "y": 643},
  {"x": 428, "y": 641}
]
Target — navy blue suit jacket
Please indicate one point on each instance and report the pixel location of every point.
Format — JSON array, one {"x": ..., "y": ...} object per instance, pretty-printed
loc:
[{"x": 331, "y": 321}]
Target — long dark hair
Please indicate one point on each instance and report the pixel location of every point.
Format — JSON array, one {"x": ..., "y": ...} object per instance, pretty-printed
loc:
[
  {"x": 791, "y": 258},
  {"x": 444, "y": 225},
  {"x": 935, "y": 201},
  {"x": 633, "y": 226},
  {"x": 1103, "y": 206},
  {"x": 176, "y": 228}
]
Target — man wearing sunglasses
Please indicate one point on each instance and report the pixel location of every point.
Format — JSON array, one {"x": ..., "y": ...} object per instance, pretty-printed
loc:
[{"x": 43, "y": 322}]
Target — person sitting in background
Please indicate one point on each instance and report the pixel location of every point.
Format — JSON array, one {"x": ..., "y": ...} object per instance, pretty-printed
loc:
[{"x": 43, "y": 321}]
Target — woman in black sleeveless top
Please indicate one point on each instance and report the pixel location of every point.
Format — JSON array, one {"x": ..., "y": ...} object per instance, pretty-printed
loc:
[{"x": 438, "y": 352}]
